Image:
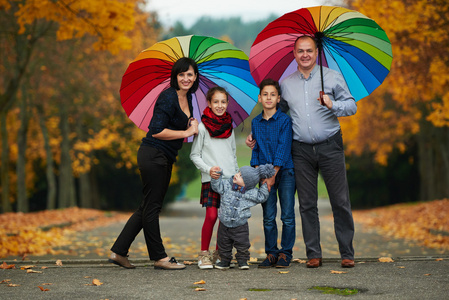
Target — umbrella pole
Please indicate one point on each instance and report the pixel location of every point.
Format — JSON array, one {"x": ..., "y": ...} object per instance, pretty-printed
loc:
[{"x": 321, "y": 73}]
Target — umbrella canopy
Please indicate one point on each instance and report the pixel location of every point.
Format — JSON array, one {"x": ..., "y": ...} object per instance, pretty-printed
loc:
[
  {"x": 352, "y": 44},
  {"x": 219, "y": 63}
]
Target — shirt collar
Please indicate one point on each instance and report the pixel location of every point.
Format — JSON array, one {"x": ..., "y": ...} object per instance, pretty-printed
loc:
[
  {"x": 312, "y": 73},
  {"x": 236, "y": 187},
  {"x": 275, "y": 116}
]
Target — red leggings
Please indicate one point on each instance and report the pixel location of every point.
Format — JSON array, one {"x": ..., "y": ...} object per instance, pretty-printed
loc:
[{"x": 208, "y": 228}]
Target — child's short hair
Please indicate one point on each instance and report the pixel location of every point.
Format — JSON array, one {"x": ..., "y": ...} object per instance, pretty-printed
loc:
[
  {"x": 215, "y": 89},
  {"x": 269, "y": 81}
]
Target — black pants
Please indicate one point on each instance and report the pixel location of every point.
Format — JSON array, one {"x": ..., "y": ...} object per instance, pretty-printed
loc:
[
  {"x": 327, "y": 157},
  {"x": 155, "y": 172},
  {"x": 237, "y": 237}
]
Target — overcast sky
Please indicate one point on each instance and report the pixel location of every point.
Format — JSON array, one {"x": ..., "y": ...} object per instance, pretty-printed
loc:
[{"x": 188, "y": 11}]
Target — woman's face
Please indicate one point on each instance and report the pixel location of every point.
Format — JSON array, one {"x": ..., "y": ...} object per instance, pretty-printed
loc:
[
  {"x": 218, "y": 103},
  {"x": 186, "y": 79}
]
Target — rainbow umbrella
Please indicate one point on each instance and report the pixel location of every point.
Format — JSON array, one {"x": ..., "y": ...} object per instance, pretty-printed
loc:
[
  {"x": 348, "y": 41},
  {"x": 219, "y": 63}
]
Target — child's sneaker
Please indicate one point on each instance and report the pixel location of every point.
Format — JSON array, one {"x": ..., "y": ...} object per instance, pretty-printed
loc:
[
  {"x": 223, "y": 265},
  {"x": 243, "y": 265},
  {"x": 215, "y": 257},
  {"x": 269, "y": 262},
  {"x": 204, "y": 260}
]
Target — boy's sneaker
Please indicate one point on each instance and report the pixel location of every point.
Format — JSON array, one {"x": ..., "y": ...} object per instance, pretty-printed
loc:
[
  {"x": 204, "y": 260},
  {"x": 215, "y": 257},
  {"x": 283, "y": 261},
  {"x": 222, "y": 265},
  {"x": 269, "y": 262},
  {"x": 243, "y": 265}
]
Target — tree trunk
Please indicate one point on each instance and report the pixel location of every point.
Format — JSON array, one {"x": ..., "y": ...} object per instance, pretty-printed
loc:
[
  {"x": 66, "y": 180},
  {"x": 433, "y": 161},
  {"x": 51, "y": 178},
  {"x": 22, "y": 201},
  {"x": 6, "y": 205},
  {"x": 85, "y": 191}
]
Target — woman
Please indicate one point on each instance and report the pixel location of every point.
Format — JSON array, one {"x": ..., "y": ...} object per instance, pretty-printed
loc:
[{"x": 172, "y": 121}]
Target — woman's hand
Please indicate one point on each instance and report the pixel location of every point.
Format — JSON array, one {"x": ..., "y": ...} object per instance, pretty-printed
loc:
[{"x": 192, "y": 128}]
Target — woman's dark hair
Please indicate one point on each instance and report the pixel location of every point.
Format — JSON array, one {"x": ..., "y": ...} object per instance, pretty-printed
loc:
[
  {"x": 180, "y": 66},
  {"x": 215, "y": 89},
  {"x": 269, "y": 81}
]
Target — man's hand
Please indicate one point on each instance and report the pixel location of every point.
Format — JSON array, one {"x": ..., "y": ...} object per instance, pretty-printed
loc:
[
  {"x": 326, "y": 101},
  {"x": 250, "y": 142}
]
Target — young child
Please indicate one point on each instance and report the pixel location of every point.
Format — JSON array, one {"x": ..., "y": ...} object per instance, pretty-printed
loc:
[
  {"x": 272, "y": 130},
  {"x": 238, "y": 194},
  {"x": 213, "y": 146}
]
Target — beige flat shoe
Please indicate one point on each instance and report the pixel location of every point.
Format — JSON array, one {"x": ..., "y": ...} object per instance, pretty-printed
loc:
[
  {"x": 121, "y": 261},
  {"x": 171, "y": 264}
]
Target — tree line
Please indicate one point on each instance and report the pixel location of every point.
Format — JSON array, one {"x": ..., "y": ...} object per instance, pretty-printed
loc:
[{"x": 66, "y": 141}]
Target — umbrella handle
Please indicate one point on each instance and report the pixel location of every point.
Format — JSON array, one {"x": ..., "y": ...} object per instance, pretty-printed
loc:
[{"x": 321, "y": 98}]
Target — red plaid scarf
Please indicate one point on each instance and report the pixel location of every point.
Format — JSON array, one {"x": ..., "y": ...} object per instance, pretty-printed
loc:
[{"x": 218, "y": 127}]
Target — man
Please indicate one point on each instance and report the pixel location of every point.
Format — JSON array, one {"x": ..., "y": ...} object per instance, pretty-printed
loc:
[{"x": 318, "y": 146}]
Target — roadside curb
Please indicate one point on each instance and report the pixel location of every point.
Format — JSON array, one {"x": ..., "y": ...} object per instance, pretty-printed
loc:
[{"x": 147, "y": 262}]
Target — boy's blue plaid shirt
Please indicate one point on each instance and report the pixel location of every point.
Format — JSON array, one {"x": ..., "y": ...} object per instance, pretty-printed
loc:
[{"x": 273, "y": 140}]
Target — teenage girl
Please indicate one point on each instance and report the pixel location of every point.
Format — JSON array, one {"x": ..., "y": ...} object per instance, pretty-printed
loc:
[{"x": 213, "y": 146}]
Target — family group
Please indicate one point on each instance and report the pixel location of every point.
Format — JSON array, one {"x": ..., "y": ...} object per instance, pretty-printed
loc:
[{"x": 288, "y": 152}]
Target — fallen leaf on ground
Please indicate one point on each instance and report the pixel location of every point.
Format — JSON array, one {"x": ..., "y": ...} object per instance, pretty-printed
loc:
[
  {"x": 200, "y": 282},
  {"x": 439, "y": 259},
  {"x": 42, "y": 289},
  {"x": 386, "y": 259},
  {"x": 5, "y": 281},
  {"x": 43, "y": 268},
  {"x": 27, "y": 267},
  {"x": 47, "y": 283},
  {"x": 401, "y": 267},
  {"x": 253, "y": 259},
  {"x": 13, "y": 284},
  {"x": 96, "y": 282},
  {"x": 32, "y": 271},
  {"x": 338, "y": 272},
  {"x": 59, "y": 263},
  {"x": 428, "y": 274},
  {"x": 283, "y": 272},
  {"x": 200, "y": 289},
  {"x": 6, "y": 266},
  {"x": 87, "y": 276},
  {"x": 187, "y": 262},
  {"x": 301, "y": 261}
]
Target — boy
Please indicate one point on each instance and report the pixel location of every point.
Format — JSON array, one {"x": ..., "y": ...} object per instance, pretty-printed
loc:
[
  {"x": 272, "y": 130},
  {"x": 238, "y": 194}
]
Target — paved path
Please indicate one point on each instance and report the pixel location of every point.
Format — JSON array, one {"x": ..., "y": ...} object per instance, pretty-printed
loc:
[{"x": 416, "y": 273}]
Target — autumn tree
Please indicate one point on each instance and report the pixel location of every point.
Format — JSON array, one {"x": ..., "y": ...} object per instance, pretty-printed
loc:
[
  {"x": 412, "y": 105},
  {"x": 26, "y": 23}
]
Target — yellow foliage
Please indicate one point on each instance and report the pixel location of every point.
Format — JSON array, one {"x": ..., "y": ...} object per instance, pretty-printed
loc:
[{"x": 108, "y": 20}]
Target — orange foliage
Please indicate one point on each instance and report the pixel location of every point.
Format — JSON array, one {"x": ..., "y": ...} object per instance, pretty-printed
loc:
[
  {"x": 426, "y": 223},
  {"x": 38, "y": 233},
  {"x": 417, "y": 87}
]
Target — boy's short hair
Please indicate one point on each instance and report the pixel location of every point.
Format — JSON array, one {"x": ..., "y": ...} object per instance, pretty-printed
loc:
[
  {"x": 215, "y": 89},
  {"x": 269, "y": 81}
]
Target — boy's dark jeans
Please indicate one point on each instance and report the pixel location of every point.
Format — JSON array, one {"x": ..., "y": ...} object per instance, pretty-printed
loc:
[{"x": 237, "y": 237}]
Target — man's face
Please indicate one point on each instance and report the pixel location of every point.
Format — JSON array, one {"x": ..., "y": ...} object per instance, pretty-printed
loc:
[{"x": 305, "y": 53}]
